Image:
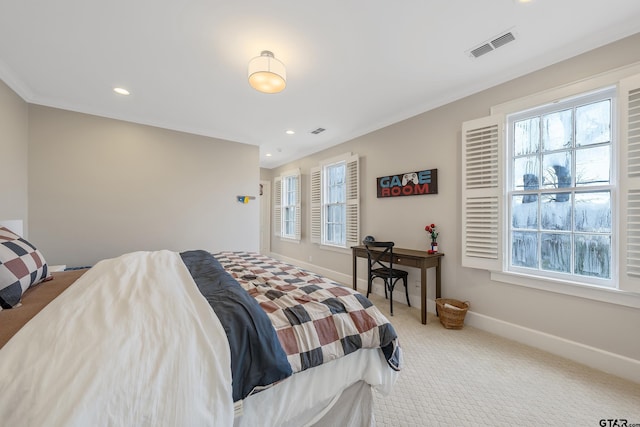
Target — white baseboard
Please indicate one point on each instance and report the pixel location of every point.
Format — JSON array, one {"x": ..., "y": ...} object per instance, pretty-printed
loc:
[{"x": 602, "y": 360}]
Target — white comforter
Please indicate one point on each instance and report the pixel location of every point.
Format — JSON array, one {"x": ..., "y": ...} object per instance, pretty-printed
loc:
[{"x": 132, "y": 343}]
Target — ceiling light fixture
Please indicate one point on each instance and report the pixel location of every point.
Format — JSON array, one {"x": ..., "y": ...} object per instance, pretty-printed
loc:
[
  {"x": 267, "y": 74},
  {"x": 290, "y": 132},
  {"x": 120, "y": 91}
]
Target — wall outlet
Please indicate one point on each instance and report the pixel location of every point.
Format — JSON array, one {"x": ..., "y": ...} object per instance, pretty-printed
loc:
[
  {"x": 417, "y": 284},
  {"x": 310, "y": 258}
]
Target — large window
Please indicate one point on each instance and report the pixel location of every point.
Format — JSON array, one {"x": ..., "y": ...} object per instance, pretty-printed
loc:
[
  {"x": 561, "y": 191},
  {"x": 335, "y": 202},
  {"x": 551, "y": 189},
  {"x": 287, "y": 205}
]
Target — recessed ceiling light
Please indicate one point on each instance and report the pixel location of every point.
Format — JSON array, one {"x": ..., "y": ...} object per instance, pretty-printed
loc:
[
  {"x": 121, "y": 91},
  {"x": 268, "y": 154},
  {"x": 290, "y": 132}
]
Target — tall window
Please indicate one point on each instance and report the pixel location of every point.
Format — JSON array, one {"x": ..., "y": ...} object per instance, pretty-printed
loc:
[
  {"x": 335, "y": 213},
  {"x": 551, "y": 189},
  {"x": 289, "y": 206},
  {"x": 286, "y": 218},
  {"x": 561, "y": 191},
  {"x": 335, "y": 206}
]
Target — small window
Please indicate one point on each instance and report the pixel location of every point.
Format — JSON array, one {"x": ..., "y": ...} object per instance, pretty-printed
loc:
[{"x": 286, "y": 221}]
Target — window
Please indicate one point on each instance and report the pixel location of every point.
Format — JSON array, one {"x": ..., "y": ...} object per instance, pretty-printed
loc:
[
  {"x": 287, "y": 205},
  {"x": 560, "y": 190},
  {"x": 335, "y": 202},
  {"x": 551, "y": 189}
]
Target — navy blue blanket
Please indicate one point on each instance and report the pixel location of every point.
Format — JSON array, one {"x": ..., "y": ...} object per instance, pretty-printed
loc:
[{"x": 257, "y": 358}]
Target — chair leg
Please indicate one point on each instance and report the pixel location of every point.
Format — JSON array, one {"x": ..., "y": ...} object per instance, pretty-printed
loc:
[
  {"x": 385, "y": 288},
  {"x": 369, "y": 287},
  {"x": 406, "y": 290},
  {"x": 390, "y": 295}
]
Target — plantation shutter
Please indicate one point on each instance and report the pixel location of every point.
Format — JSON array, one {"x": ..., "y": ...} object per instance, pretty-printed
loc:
[
  {"x": 353, "y": 201},
  {"x": 482, "y": 232},
  {"x": 629, "y": 200},
  {"x": 316, "y": 205},
  {"x": 277, "y": 206}
]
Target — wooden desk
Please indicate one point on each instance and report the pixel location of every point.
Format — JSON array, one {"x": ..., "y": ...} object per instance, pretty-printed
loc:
[{"x": 409, "y": 258}]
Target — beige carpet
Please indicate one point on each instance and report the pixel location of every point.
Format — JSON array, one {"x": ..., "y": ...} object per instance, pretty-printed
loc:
[{"x": 469, "y": 377}]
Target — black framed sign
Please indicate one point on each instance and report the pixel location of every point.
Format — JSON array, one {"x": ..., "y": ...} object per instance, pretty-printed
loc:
[{"x": 408, "y": 184}]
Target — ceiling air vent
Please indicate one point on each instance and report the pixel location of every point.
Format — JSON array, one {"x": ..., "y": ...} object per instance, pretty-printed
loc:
[
  {"x": 502, "y": 40},
  {"x": 489, "y": 46},
  {"x": 479, "y": 51},
  {"x": 317, "y": 131}
]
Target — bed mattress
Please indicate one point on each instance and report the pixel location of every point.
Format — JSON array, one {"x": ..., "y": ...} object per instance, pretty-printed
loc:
[{"x": 134, "y": 341}]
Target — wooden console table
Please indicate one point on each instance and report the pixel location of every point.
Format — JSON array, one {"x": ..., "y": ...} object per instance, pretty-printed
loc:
[{"x": 408, "y": 258}]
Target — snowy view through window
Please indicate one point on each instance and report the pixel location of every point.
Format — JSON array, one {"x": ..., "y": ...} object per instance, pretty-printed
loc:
[{"x": 561, "y": 188}]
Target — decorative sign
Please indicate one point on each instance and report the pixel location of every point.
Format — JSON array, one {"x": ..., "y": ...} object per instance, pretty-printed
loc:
[
  {"x": 408, "y": 184},
  {"x": 245, "y": 199}
]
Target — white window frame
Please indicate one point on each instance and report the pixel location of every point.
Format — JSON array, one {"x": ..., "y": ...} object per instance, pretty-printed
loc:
[
  {"x": 280, "y": 204},
  {"x": 319, "y": 202},
  {"x": 582, "y": 99},
  {"x": 484, "y": 191}
]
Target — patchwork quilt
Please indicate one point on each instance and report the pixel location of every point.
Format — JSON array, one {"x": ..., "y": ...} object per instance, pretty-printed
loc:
[{"x": 316, "y": 320}]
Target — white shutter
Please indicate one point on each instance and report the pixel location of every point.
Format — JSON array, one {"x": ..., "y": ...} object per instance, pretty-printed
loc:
[
  {"x": 298, "y": 209},
  {"x": 353, "y": 201},
  {"x": 629, "y": 205},
  {"x": 482, "y": 153},
  {"x": 277, "y": 206},
  {"x": 316, "y": 205}
]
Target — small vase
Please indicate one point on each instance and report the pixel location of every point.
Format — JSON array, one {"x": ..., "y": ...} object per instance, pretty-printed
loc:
[{"x": 434, "y": 246}]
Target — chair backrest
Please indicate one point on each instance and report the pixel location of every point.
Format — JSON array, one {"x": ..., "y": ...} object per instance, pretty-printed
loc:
[{"x": 379, "y": 258}]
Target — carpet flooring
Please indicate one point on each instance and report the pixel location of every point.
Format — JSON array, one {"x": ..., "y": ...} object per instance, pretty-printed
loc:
[{"x": 469, "y": 377}]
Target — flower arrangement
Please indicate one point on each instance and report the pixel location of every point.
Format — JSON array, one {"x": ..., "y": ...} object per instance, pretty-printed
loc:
[{"x": 431, "y": 229}]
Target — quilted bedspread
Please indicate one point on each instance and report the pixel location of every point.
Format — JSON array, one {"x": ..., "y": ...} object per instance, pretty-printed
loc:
[{"x": 316, "y": 320}]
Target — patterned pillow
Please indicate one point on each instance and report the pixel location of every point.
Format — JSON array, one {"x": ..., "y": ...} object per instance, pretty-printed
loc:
[{"x": 21, "y": 266}]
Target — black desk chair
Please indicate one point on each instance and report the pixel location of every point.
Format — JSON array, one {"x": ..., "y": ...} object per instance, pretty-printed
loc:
[{"x": 380, "y": 265}]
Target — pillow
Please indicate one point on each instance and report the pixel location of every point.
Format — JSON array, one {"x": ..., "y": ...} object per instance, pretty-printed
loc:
[{"x": 21, "y": 266}]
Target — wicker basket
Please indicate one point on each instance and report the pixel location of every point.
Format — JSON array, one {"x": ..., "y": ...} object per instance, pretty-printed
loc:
[{"x": 450, "y": 317}]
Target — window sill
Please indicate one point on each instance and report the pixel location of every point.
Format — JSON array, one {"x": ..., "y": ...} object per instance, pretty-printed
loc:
[
  {"x": 331, "y": 248},
  {"x": 596, "y": 293},
  {"x": 289, "y": 239}
]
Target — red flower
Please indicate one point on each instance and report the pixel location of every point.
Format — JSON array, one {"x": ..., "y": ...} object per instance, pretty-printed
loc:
[{"x": 431, "y": 229}]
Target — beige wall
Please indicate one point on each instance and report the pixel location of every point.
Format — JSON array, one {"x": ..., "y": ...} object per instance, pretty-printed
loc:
[
  {"x": 432, "y": 140},
  {"x": 14, "y": 138},
  {"x": 101, "y": 187}
]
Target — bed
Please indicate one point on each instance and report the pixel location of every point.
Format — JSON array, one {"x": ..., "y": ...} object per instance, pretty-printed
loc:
[{"x": 166, "y": 338}]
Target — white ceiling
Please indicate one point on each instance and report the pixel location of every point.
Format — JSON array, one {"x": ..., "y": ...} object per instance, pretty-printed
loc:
[{"x": 352, "y": 66}]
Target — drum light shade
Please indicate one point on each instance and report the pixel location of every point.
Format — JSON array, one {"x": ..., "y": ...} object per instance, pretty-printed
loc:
[{"x": 267, "y": 74}]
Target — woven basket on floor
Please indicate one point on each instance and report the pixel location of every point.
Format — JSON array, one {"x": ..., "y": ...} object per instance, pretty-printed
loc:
[{"x": 451, "y": 317}]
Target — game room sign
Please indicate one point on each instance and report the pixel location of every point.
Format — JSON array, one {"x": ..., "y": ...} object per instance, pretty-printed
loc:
[{"x": 408, "y": 184}]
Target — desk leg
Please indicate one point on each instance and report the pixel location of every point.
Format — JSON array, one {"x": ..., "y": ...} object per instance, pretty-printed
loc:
[
  {"x": 355, "y": 271},
  {"x": 423, "y": 294},
  {"x": 438, "y": 277}
]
